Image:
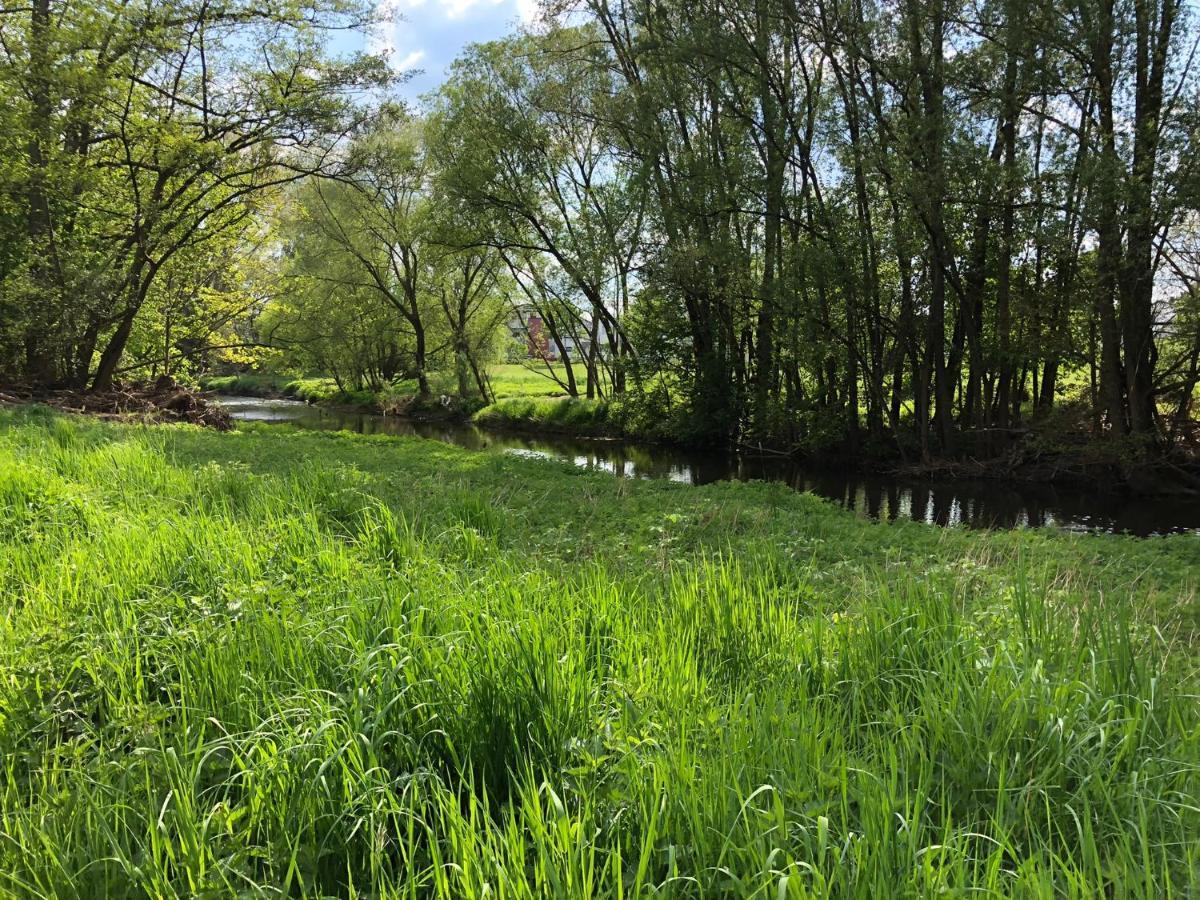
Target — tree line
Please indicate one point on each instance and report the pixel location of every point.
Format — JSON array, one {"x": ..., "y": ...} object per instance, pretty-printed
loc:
[
  {"x": 873, "y": 225},
  {"x": 878, "y": 220}
]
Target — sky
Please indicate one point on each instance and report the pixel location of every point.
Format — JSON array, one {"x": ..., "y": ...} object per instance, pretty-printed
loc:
[{"x": 429, "y": 34}]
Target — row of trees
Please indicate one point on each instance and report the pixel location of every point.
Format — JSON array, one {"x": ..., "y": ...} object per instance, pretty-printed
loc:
[
  {"x": 851, "y": 217},
  {"x": 381, "y": 279},
  {"x": 870, "y": 224},
  {"x": 204, "y": 180}
]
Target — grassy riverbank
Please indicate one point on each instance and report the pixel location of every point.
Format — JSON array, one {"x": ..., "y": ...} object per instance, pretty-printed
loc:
[
  {"x": 569, "y": 415},
  {"x": 302, "y": 663},
  {"x": 311, "y": 389}
]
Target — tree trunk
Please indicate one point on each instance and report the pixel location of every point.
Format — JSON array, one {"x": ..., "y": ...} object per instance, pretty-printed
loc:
[
  {"x": 110, "y": 359},
  {"x": 419, "y": 356},
  {"x": 1137, "y": 282},
  {"x": 1111, "y": 389}
]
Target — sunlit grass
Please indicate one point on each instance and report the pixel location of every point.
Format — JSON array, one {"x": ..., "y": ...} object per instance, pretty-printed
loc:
[
  {"x": 269, "y": 663},
  {"x": 532, "y": 379}
]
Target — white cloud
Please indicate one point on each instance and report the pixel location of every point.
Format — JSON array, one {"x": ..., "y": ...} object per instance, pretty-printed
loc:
[
  {"x": 381, "y": 39},
  {"x": 458, "y": 9},
  {"x": 431, "y": 33},
  {"x": 527, "y": 10},
  {"x": 410, "y": 61}
]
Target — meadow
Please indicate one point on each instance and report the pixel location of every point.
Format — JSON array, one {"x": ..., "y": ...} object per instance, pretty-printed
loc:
[
  {"x": 507, "y": 381},
  {"x": 275, "y": 663}
]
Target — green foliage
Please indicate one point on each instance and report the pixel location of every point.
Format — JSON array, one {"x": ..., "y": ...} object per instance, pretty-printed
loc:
[
  {"x": 323, "y": 664},
  {"x": 147, "y": 139},
  {"x": 383, "y": 281}
]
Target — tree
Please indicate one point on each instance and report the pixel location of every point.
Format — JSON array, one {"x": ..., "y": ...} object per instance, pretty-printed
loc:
[
  {"x": 151, "y": 130},
  {"x": 520, "y": 143},
  {"x": 385, "y": 278}
]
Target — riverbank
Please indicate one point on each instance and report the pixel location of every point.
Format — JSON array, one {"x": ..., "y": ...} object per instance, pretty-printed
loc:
[
  {"x": 308, "y": 389},
  {"x": 959, "y": 501},
  {"x": 552, "y": 415},
  {"x": 329, "y": 664},
  {"x": 1045, "y": 453}
]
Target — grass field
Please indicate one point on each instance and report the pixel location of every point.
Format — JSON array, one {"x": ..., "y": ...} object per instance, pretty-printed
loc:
[
  {"x": 509, "y": 380},
  {"x": 531, "y": 380},
  {"x": 273, "y": 663}
]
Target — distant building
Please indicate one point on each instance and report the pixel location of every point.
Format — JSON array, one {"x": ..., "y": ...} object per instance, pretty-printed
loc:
[
  {"x": 528, "y": 326},
  {"x": 537, "y": 341}
]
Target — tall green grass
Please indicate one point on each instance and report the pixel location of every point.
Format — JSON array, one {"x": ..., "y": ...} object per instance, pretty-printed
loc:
[{"x": 270, "y": 663}]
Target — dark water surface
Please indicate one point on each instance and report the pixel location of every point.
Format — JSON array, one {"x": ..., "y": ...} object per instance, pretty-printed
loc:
[{"x": 970, "y": 502}]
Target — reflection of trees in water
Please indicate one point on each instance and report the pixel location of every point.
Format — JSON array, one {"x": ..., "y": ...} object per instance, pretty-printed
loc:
[
  {"x": 919, "y": 504},
  {"x": 631, "y": 460},
  {"x": 893, "y": 498},
  {"x": 943, "y": 506}
]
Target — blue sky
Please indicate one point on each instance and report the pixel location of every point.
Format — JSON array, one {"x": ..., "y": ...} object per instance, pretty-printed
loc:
[{"x": 429, "y": 34}]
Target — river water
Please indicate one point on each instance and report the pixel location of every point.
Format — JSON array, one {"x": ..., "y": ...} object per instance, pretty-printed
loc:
[{"x": 973, "y": 503}]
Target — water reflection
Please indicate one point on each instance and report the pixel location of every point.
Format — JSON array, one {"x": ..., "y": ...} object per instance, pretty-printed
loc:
[{"x": 972, "y": 503}]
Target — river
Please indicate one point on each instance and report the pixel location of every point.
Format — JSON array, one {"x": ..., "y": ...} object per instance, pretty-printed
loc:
[{"x": 969, "y": 502}]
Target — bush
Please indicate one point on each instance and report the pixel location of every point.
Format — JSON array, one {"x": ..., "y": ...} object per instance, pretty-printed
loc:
[{"x": 650, "y": 415}]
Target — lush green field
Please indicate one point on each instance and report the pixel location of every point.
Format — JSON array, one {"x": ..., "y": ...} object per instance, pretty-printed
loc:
[
  {"x": 314, "y": 389},
  {"x": 509, "y": 380},
  {"x": 280, "y": 663},
  {"x": 531, "y": 380}
]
